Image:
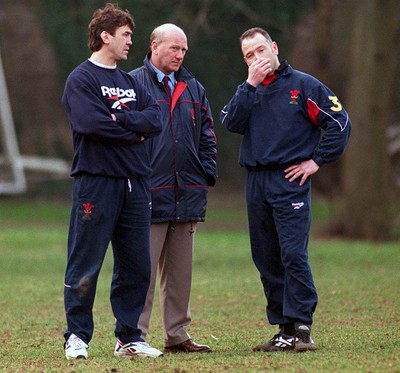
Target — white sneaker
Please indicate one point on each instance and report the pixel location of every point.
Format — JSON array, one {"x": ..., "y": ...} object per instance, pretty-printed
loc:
[
  {"x": 75, "y": 348},
  {"x": 132, "y": 349}
]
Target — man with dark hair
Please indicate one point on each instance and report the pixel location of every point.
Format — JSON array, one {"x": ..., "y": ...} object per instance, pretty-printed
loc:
[
  {"x": 111, "y": 116},
  {"x": 291, "y": 124}
]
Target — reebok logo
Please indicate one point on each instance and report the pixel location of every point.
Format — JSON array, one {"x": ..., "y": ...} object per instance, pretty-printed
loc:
[
  {"x": 297, "y": 205},
  {"x": 116, "y": 91},
  {"x": 119, "y": 96}
]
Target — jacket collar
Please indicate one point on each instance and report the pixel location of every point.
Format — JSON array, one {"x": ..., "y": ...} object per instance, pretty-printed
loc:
[{"x": 283, "y": 68}]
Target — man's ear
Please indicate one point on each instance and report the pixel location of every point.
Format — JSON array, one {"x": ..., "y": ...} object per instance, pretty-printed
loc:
[
  {"x": 245, "y": 61},
  {"x": 275, "y": 48},
  {"x": 105, "y": 37},
  {"x": 153, "y": 47}
]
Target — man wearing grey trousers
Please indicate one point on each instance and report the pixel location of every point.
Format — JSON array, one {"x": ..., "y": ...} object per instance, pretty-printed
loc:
[{"x": 183, "y": 159}]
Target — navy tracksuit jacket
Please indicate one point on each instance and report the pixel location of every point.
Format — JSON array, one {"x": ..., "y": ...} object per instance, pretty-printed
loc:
[{"x": 289, "y": 118}]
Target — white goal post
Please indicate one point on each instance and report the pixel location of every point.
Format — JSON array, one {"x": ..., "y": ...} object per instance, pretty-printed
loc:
[{"x": 12, "y": 160}]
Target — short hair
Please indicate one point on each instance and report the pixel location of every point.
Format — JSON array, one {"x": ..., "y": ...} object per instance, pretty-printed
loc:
[
  {"x": 250, "y": 33},
  {"x": 107, "y": 19}
]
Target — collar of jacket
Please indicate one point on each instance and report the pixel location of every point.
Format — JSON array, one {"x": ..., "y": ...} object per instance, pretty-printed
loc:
[
  {"x": 284, "y": 69},
  {"x": 283, "y": 65},
  {"x": 182, "y": 75}
]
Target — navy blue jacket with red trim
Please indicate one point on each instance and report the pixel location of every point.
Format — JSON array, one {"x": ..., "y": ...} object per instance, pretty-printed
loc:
[
  {"x": 183, "y": 157},
  {"x": 290, "y": 118}
]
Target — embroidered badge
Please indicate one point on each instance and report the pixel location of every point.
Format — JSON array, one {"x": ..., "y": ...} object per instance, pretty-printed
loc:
[
  {"x": 294, "y": 95},
  {"x": 87, "y": 209}
]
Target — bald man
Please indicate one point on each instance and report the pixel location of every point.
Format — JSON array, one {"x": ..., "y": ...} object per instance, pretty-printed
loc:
[{"x": 183, "y": 159}]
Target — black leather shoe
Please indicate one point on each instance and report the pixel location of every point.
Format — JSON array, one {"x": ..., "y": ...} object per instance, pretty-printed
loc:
[{"x": 187, "y": 347}]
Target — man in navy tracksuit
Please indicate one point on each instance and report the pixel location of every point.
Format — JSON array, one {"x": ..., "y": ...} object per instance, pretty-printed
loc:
[
  {"x": 111, "y": 115},
  {"x": 291, "y": 124}
]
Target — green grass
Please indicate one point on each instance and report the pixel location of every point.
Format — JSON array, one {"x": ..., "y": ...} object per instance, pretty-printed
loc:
[{"x": 357, "y": 323}]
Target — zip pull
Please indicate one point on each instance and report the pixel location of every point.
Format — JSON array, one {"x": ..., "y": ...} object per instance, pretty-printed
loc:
[{"x": 129, "y": 185}]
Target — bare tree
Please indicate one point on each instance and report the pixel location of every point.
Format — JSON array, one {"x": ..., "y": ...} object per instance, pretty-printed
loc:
[
  {"x": 365, "y": 210},
  {"x": 352, "y": 47}
]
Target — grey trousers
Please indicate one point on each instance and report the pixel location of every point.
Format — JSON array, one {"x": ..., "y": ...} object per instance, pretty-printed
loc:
[{"x": 171, "y": 251}]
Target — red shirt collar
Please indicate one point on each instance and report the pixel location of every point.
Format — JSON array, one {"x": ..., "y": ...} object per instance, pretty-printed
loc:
[{"x": 269, "y": 79}]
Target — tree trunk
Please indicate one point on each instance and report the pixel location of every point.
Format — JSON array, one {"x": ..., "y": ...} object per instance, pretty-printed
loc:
[{"x": 366, "y": 183}]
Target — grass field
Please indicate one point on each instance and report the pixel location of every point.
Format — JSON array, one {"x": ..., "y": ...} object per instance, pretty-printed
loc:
[{"x": 357, "y": 323}]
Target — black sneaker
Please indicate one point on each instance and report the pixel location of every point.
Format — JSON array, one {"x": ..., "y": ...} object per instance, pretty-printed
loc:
[
  {"x": 279, "y": 342},
  {"x": 303, "y": 342}
]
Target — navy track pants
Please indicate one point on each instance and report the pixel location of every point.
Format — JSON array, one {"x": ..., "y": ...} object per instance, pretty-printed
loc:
[
  {"x": 108, "y": 209},
  {"x": 279, "y": 214}
]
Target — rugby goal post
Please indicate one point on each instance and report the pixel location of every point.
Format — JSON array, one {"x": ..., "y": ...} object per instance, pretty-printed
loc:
[{"x": 12, "y": 163}]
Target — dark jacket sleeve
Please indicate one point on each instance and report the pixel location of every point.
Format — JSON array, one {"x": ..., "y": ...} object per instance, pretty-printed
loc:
[
  {"x": 90, "y": 117},
  {"x": 146, "y": 120},
  {"x": 208, "y": 141},
  {"x": 326, "y": 111},
  {"x": 234, "y": 116}
]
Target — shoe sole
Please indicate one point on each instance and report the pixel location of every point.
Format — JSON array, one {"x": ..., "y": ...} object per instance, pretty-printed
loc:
[
  {"x": 140, "y": 355},
  {"x": 274, "y": 350},
  {"x": 304, "y": 348},
  {"x": 271, "y": 348},
  {"x": 79, "y": 357},
  {"x": 186, "y": 352}
]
